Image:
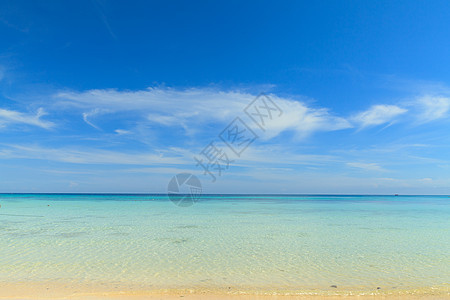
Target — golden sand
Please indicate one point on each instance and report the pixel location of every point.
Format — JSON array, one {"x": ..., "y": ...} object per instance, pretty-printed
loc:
[{"x": 52, "y": 290}]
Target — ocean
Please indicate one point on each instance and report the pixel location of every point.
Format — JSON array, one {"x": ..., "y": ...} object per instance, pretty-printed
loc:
[{"x": 264, "y": 244}]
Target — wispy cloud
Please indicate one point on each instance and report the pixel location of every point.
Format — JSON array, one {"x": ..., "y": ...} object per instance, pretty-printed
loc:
[
  {"x": 101, "y": 7},
  {"x": 89, "y": 114},
  {"x": 255, "y": 156},
  {"x": 193, "y": 108},
  {"x": 366, "y": 166},
  {"x": 164, "y": 120},
  {"x": 122, "y": 131},
  {"x": 432, "y": 108},
  {"x": 304, "y": 120},
  {"x": 278, "y": 155},
  {"x": 95, "y": 156},
  {"x": 378, "y": 115},
  {"x": 11, "y": 117}
]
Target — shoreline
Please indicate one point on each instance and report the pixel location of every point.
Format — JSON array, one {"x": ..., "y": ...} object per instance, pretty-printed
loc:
[{"x": 60, "y": 290}]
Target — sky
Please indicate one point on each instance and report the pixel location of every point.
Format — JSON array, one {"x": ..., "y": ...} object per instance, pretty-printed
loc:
[{"x": 120, "y": 96}]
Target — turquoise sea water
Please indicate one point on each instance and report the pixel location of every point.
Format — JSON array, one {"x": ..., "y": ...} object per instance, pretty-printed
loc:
[{"x": 263, "y": 243}]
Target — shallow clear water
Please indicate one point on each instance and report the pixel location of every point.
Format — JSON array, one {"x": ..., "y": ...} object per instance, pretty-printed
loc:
[{"x": 242, "y": 242}]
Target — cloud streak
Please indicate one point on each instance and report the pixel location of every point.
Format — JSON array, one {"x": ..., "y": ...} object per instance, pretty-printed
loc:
[
  {"x": 366, "y": 166},
  {"x": 193, "y": 108},
  {"x": 94, "y": 156},
  {"x": 432, "y": 108},
  {"x": 378, "y": 115},
  {"x": 12, "y": 117}
]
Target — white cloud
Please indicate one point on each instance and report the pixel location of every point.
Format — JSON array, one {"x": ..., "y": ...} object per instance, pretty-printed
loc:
[
  {"x": 263, "y": 155},
  {"x": 426, "y": 179},
  {"x": 366, "y": 166},
  {"x": 73, "y": 184},
  {"x": 10, "y": 117},
  {"x": 89, "y": 114},
  {"x": 191, "y": 108},
  {"x": 303, "y": 120},
  {"x": 254, "y": 156},
  {"x": 122, "y": 131},
  {"x": 164, "y": 120},
  {"x": 433, "y": 108},
  {"x": 378, "y": 114},
  {"x": 95, "y": 156}
]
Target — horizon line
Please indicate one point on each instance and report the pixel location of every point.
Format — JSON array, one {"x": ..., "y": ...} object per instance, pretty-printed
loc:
[{"x": 213, "y": 194}]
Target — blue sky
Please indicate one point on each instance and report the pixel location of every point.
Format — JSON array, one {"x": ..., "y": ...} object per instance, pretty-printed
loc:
[{"x": 119, "y": 96}]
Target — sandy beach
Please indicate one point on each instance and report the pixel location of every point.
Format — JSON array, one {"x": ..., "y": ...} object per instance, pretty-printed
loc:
[{"x": 52, "y": 290}]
